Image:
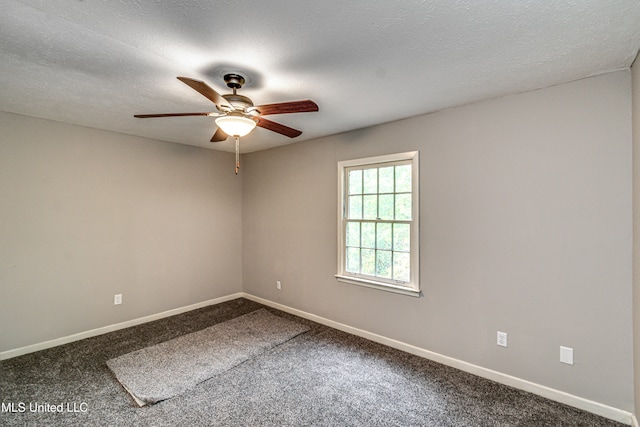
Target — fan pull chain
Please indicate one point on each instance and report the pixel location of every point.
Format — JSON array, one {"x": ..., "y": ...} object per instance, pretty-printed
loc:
[{"x": 237, "y": 154}]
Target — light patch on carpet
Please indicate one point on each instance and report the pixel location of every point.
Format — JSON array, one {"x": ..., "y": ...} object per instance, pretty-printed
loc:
[{"x": 176, "y": 366}]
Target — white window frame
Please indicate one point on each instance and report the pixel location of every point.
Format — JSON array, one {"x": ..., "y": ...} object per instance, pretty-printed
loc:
[{"x": 412, "y": 287}]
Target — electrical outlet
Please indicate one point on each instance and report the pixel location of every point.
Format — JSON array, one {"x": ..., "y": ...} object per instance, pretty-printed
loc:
[
  {"x": 117, "y": 299},
  {"x": 566, "y": 355},
  {"x": 278, "y": 284},
  {"x": 502, "y": 339}
]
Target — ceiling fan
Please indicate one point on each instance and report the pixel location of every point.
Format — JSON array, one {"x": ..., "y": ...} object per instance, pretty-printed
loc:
[{"x": 237, "y": 116}]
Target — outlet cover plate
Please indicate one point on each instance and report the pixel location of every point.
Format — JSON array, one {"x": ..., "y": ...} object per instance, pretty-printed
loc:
[
  {"x": 566, "y": 355},
  {"x": 502, "y": 339}
]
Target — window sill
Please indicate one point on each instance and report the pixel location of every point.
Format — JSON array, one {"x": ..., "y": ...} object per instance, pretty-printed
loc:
[{"x": 379, "y": 285}]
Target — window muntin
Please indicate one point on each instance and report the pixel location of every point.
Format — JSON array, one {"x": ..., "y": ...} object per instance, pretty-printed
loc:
[{"x": 378, "y": 221}]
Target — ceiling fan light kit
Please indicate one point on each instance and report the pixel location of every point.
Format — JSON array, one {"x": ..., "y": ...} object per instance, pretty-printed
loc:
[
  {"x": 237, "y": 114},
  {"x": 235, "y": 125}
]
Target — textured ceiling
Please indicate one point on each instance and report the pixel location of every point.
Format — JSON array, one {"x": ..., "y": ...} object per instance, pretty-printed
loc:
[{"x": 96, "y": 63}]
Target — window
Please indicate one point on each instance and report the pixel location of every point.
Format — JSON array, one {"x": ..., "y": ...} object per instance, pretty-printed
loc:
[{"x": 378, "y": 222}]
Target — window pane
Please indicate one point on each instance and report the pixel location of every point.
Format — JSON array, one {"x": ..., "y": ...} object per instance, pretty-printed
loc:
[
  {"x": 386, "y": 180},
  {"x": 403, "y": 206},
  {"x": 370, "y": 207},
  {"x": 385, "y": 208},
  {"x": 403, "y": 178},
  {"x": 383, "y": 264},
  {"x": 355, "y": 182},
  {"x": 401, "y": 241},
  {"x": 371, "y": 181},
  {"x": 353, "y": 234},
  {"x": 401, "y": 266},
  {"x": 378, "y": 211},
  {"x": 368, "y": 235},
  {"x": 355, "y": 207},
  {"x": 384, "y": 236},
  {"x": 368, "y": 266},
  {"x": 353, "y": 260}
]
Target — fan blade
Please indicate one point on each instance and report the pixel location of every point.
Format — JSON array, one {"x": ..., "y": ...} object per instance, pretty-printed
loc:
[
  {"x": 218, "y": 136},
  {"x": 208, "y": 92},
  {"x": 146, "y": 116},
  {"x": 276, "y": 127},
  {"x": 288, "y": 107}
]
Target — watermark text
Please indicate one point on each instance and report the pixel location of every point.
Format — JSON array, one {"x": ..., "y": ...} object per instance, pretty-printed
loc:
[{"x": 44, "y": 407}]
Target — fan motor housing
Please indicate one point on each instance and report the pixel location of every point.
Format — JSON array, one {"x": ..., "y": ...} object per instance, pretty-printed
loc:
[{"x": 239, "y": 102}]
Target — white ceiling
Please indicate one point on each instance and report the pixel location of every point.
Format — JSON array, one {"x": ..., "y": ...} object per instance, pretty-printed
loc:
[{"x": 96, "y": 63}]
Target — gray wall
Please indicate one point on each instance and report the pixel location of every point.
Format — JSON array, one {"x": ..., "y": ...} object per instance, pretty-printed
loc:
[
  {"x": 86, "y": 214},
  {"x": 526, "y": 228},
  {"x": 635, "y": 71}
]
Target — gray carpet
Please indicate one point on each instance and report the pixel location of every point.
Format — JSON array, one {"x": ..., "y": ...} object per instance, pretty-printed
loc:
[
  {"x": 321, "y": 377},
  {"x": 176, "y": 366}
]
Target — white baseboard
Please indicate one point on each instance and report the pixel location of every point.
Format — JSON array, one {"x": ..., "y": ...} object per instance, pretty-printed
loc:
[
  {"x": 105, "y": 329},
  {"x": 547, "y": 392},
  {"x": 556, "y": 395}
]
